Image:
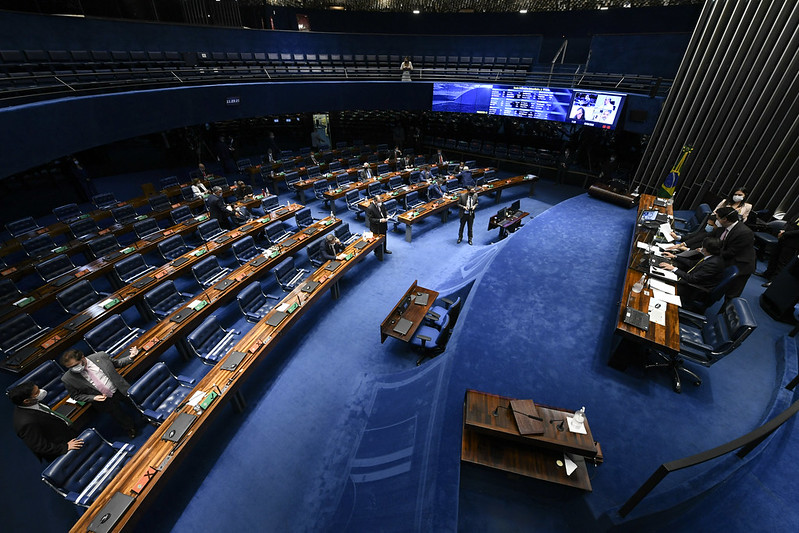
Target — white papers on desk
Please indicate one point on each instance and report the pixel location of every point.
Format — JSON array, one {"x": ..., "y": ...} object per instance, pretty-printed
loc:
[
  {"x": 668, "y": 298},
  {"x": 196, "y": 398},
  {"x": 658, "y": 285},
  {"x": 657, "y": 311},
  {"x": 569, "y": 463},
  {"x": 282, "y": 307},
  {"x": 665, "y": 230},
  {"x": 575, "y": 427},
  {"x": 667, "y": 274}
]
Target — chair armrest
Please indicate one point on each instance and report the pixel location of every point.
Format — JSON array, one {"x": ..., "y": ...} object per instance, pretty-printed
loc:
[
  {"x": 186, "y": 379},
  {"x": 423, "y": 338},
  {"x": 433, "y": 315},
  {"x": 152, "y": 415},
  {"x": 692, "y": 317},
  {"x": 272, "y": 297},
  {"x": 447, "y": 301}
]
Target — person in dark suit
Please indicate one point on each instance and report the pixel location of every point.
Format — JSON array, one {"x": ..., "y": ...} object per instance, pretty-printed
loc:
[
  {"x": 439, "y": 158},
  {"x": 737, "y": 248},
  {"x": 701, "y": 277},
  {"x": 218, "y": 209},
  {"x": 94, "y": 379},
  {"x": 377, "y": 217},
  {"x": 467, "y": 203},
  {"x": 243, "y": 190},
  {"x": 47, "y": 433},
  {"x": 332, "y": 247},
  {"x": 787, "y": 249},
  {"x": 465, "y": 177},
  {"x": 366, "y": 173}
]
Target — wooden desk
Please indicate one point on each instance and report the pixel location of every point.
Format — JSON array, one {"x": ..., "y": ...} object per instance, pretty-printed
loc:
[
  {"x": 507, "y": 224},
  {"x": 413, "y": 312},
  {"x": 494, "y": 441},
  {"x": 256, "y": 344}
]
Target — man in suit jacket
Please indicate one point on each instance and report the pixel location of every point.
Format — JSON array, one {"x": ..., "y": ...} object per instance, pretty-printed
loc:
[
  {"x": 467, "y": 203},
  {"x": 377, "y": 217},
  {"x": 218, "y": 209},
  {"x": 703, "y": 276},
  {"x": 94, "y": 379},
  {"x": 366, "y": 173},
  {"x": 332, "y": 247},
  {"x": 737, "y": 248},
  {"x": 439, "y": 158},
  {"x": 45, "y": 432},
  {"x": 787, "y": 249}
]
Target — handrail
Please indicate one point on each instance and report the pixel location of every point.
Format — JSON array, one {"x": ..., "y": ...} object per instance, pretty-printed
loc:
[{"x": 746, "y": 444}]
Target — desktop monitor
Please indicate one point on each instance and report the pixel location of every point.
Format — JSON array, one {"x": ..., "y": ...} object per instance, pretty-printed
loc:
[{"x": 516, "y": 206}]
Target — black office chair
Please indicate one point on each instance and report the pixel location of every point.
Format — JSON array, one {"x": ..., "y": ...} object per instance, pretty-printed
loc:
[
  {"x": 700, "y": 298},
  {"x": 707, "y": 340}
]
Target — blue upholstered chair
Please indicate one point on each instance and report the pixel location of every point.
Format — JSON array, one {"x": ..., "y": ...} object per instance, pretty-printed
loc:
[
  {"x": 210, "y": 341},
  {"x": 169, "y": 181},
  {"x": 245, "y": 249},
  {"x": 9, "y": 292},
  {"x": 435, "y": 315},
  {"x": 688, "y": 222},
  {"x": 208, "y": 271},
  {"x": 124, "y": 214},
  {"x": 78, "y": 297},
  {"x": 22, "y": 226},
  {"x": 453, "y": 186},
  {"x": 39, "y": 246},
  {"x": 320, "y": 187},
  {"x": 412, "y": 200},
  {"x": 146, "y": 227},
  {"x": 291, "y": 179},
  {"x": 172, "y": 247},
  {"x": 352, "y": 198},
  {"x": 164, "y": 299},
  {"x": 287, "y": 275},
  {"x": 304, "y": 218},
  {"x": 179, "y": 214},
  {"x": 48, "y": 377},
  {"x": 270, "y": 202},
  {"x": 84, "y": 228},
  {"x": 254, "y": 302},
  {"x": 314, "y": 251},
  {"x": 313, "y": 171},
  {"x": 131, "y": 268},
  {"x": 430, "y": 338},
  {"x": 103, "y": 246},
  {"x": 68, "y": 212},
  {"x": 187, "y": 193},
  {"x": 111, "y": 335},
  {"x": 160, "y": 202},
  {"x": 344, "y": 235},
  {"x": 80, "y": 475},
  {"x": 276, "y": 232},
  {"x": 158, "y": 392},
  {"x": 17, "y": 332},
  {"x": 54, "y": 267},
  {"x": 395, "y": 182},
  {"x": 209, "y": 230},
  {"x": 700, "y": 298},
  {"x": 766, "y": 241}
]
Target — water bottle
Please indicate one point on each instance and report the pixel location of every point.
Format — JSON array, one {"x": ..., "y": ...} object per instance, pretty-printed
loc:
[
  {"x": 635, "y": 193},
  {"x": 579, "y": 416},
  {"x": 638, "y": 286}
]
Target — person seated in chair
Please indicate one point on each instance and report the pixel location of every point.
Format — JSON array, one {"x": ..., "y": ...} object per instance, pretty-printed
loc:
[
  {"x": 242, "y": 190},
  {"x": 696, "y": 280},
  {"x": 366, "y": 173},
  {"x": 332, "y": 248},
  {"x": 218, "y": 209}
]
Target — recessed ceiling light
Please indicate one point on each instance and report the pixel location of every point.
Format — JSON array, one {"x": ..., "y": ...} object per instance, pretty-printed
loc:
[
  {"x": 415, "y": 11},
  {"x": 523, "y": 11}
]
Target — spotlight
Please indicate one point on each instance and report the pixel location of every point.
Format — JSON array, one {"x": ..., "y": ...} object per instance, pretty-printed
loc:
[{"x": 415, "y": 11}]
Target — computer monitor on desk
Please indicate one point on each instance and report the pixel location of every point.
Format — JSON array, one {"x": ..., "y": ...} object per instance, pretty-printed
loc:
[
  {"x": 515, "y": 207},
  {"x": 502, "y": 214}
]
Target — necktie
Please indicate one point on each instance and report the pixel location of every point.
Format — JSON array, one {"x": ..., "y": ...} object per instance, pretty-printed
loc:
[
  {"x": 46, "y": 409},
  {"x": 98, "y": 383},
  {"x": 724, "y": 235}
]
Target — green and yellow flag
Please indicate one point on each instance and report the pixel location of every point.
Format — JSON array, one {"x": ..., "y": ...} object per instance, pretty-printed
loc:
[{"x": 670, "y": 183}]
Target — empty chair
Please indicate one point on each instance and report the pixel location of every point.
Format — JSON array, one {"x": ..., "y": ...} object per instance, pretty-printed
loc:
[
  {"x": 172, "y": 247},
  {"x": 352, "y": 198},
  {"x": 334, "y": 165},
  {"x": 706, "y": 340},
  {"x": 287, "y": 275},
  {"x": 111, "y": 335},
  {"x": 39, "y": 246},
  {"x": 124, "y": 214},
  {"x": 373, "y": 189},
  {"x": 320, "y": 187},
  {"x": 160, "y": 202},
  {"x": 415, "y": 177},
  {"x": 291, "y": 179},
  {"x": 103, "y": 245},
  {"x": 314, "y": 251},
  {"x": 270, "y": 202},
  {"x": 78, "y": 297},
  {"x": 54, "y": 267},
  {"x": 490, "y": 175},
  {"x": 85, "y": 228},
  {"x": 81, "y": 475},
  {"x": 313, "y": 171},
  {"x": 344, "y": 235},
  {"x": 431, "y": 338},
  {"x": 17, "y": 332},
  {"x": 158, "y": 392},
  {"x": 208, "y": 271},
  {"x": 219, "y": 181},
  {"x": 22, "y": 226},
  {"x": 146, "y": 227},
  {"x": 412, "y": 200},
  {"x": 210, "y": 341},
  {"x": 104, "y": 200},
  {"x": 395, "y": 182},
  {"x": 383, "y": 169},
  {"x": 435, "y": 315},
  {"x": 46, "y": 376},
  {"x": 187, "y": 193},
  {"x": 254, "y": 302},
  {"x": 68, "y": 212},
  {"x": 276, "y": 232},
  {"x": 209, "y": 230},
  {"x": 243, "y": 164},
  {"x": 164, "y": 299},
  {"x": 343, "y": 179},
  {"x": 179, "y": 214},
  {"x": 304, "y": 218},
  {"x": 169, "y": 181},
  {"x": 245, "y": 249},
  {"x": 766, "y": 241},
  {"x": 695, "y": 221},
  {"x": 131, "y": 268},
  {"x": 8, "y": 292},
  {"x": 472, "y": 164}
]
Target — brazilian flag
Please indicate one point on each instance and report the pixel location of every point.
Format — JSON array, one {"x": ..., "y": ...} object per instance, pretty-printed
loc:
[{"x": 669, "y": 184}]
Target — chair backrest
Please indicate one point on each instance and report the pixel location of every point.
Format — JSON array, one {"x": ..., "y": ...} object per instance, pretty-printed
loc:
[
  {"x": 105, "y": 336},
  {"x": 391, "y": 206},
  {"x": 104, "y": 200},
  {"x": 245, "y": 249},
  {"x": 219, "y": 181},
  {"x": 728, "y": 329},
  {"x": 22, "y": 226},
  {"x": 415, "y": 176},
  {"x": 48, "y": 377},
  {"x": 130, "y": 267},
  {"x": 146, "y": 227},
  {"x": 67, "y": 212},
  {"x": 123, "y": 214},
  {"x": 270, "y": 202},
  {"x": 16, "y": 330},
  {"x": 78, "y": 297},
  {"x": 187, "y": 192},
  {"x": 243, "y": 164},
  {"x": 285, "y": 271},
  {"x": 727, "y": 276},
  {"x": 334, "y": 165},
  {"x": 490, "y": 175},
  {"x": 80, "y": 475},
  {"x": 155, "y": 389},
  {"x": 314, "y": 251},
  {"x": 343, "y": 232},
  {"x": 206, "y": 269},
  {"x": 205, "y": 337},
  {"x": 54, "y": 267},
  {"x": 103, "y": 245},
  {"x": 172, "y": 247},
  {"x": 352, "y": 197},
  {"x": 411, "y": 199},
  {"x": 39, "y": 245},
  {"x": 303, "y": 217},
  {"x": 313, "y": 171},
  {"x": 160, "y": 202},
  {"x": 163, "y": 297},
  {"x": 292, "y": 177},
  {"x": 180, "y": 214},
  {"x": 395, "y": 182},
  {"x": 373, "y": 189},
  {"x": 83, "y": 227},
  {"x": 342, "y": 179},
  {"x": 382, "y": 169},
  {"x": 320, "y": 186},
  {"x": 169, "y": 181},
  {"x": 209, "y": 229},
  {"x": 452, "y": 184},
  {"x": 251, "y": 298},
  {"x": 8, "y": 291},
  {"x": 275, "y": 231}
]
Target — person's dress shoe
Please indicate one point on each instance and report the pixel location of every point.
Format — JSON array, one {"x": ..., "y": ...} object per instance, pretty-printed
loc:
[
  {"x": 459, "y": 240},
  {"x": 132, "y": 433},
  {"x": 470, "y": 242},
  {"x": 388, "y": 251}
]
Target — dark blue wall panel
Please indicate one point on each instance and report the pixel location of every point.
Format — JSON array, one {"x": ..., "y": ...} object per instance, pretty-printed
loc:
[
  {"x": 655, "y": 55},
  {"x": 37, "y": 133}
]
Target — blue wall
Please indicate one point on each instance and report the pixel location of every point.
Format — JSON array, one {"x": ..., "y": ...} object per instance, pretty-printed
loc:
[{"x": 637, "y": 53}]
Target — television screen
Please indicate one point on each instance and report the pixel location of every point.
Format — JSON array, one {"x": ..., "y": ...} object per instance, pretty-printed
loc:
[
  {"x": 543, "y": 103},
  {"x": 461, "y": 97},
  {"x": 598, "y": 109}
]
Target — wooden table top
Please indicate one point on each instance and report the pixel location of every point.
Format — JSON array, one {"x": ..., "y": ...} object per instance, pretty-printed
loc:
[
  {"x": 166, "y": 456},
  {"x": 508, "y": 221},
  {"x": 414, "y": 312}
]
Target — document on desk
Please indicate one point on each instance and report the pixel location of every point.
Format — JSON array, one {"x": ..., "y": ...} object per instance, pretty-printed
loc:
[
  {"x": 666, "y": 274},
  {"x": 657, "y": 311},
  {"x": 666, "y": 297},
  {"x": 568, "y": 462},
  {"x": 665, "y": 230},
  {"x": 662, "y": 287}
]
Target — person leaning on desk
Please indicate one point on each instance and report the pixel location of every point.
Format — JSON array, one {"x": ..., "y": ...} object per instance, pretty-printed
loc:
[
  {"x": 332, "y": 248},
  {"x": 700, "y": 277}
]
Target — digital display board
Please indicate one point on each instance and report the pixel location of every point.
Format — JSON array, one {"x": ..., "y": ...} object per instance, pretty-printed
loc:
[{"x": 589, "y": 108}]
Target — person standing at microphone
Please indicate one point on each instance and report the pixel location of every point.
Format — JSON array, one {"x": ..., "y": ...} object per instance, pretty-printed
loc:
[{"x": 467, "y": 203}]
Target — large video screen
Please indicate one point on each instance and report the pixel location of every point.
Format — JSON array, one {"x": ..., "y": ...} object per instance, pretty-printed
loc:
[{"x": 589, "y": 108}]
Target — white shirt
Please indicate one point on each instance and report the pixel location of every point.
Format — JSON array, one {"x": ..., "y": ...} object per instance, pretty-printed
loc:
[{"x": 103, "y": 378}]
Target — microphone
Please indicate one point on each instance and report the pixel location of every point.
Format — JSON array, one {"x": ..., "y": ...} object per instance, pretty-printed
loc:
[
  {"x": 496, "y": 412},
  {"x": 559, "y": 426}
]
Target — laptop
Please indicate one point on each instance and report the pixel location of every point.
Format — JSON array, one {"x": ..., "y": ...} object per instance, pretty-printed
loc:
[
  {"x": 233, "y": 361},
  {"x": 109, "y": 515},
  {"x": 182, "y": 314},
  {"x": 77, "y": 321},
  {"x": 276, "y": 318},
  {"x": 637, "y": 319},
  {"x": 403, "y": 326},
  {"x": 179, "y": 427},
  {"x": 310, "y": 286}
]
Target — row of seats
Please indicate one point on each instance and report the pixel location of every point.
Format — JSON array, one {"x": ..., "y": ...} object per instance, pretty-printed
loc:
[{"x": 528, "y": 154}]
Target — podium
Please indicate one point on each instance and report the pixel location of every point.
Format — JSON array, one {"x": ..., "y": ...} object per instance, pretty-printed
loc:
[{"x": 492, "y": 438}]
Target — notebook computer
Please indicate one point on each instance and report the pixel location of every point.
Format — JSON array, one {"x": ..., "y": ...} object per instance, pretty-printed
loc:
[
  {"x": 179, "y": 427},
  {"x": 109, "y": 515},
  {"x": 276, "y": 318},
  {"x": 403, "y": 326},
  {"x": 233, "y": 360},
  {"x": 182, "y": 314}
]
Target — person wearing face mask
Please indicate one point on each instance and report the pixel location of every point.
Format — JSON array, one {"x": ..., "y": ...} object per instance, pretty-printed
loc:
[
  {"x": 699, "y": 277},
  {"x": 737, "y": 201},
  {"x": 48, "y": 434},
  {"x": 94, "y": 379}
]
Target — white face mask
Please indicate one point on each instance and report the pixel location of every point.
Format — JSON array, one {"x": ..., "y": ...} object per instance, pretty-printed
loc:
[
  {"x": 77, "y": 368},
  {"x": 737, "y": 198},
  {"x": 41, "y": 396},
  {"x": 718, "y": 224}
]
